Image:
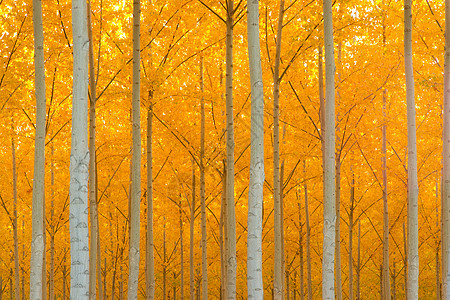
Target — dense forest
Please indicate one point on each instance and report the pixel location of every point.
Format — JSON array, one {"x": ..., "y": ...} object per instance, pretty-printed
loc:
[{"x": 227, "y": 149}]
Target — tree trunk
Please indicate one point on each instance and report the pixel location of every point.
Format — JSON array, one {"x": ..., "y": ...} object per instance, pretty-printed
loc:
[
  {"x": 300, "y": 250},
  {"x": 16, "y": 237},
  {"x": 181, "y": 255},
  {"x": 79, "y": 158},
  {"x": 223, "y": 236},
  {"x": 37, "y": 239},
  {"x": 52, "y": 235},
  {"x": 231, "y": 222},
  {"x": 438, "y": 285},
  {"x": 93, "y": 213},
  {"x": 445, "y": 211},
  {"x": 255, "y": 288},
  {"x": 329, "y": 211},
  {"x": 150, "y": 260},
  {"x": 308, "y": 241},
  {"x": 350, "y": 239},
  {"x": 191, "y": 239},
  {"x": 164, "y": 261},
  {"x": 202, "y": 190},
  {"x": 278, "y": 256},
  {"x": 133, "y": 277},
  {"x": 413, "y": 189}
]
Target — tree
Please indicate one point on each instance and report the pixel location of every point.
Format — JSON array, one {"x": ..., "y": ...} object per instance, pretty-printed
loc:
[
  {"x": 79, "y": 157},
  {"x": 277, "y": 190},
  {"x": 329, "y": 212},
  {"x": 133, "y": 277},
  {"x": 413, "y": 189},
  {"x": 37, "y": 240},
  {"x": 446, "y": 159},
  {"x": 255, "y": 288}
]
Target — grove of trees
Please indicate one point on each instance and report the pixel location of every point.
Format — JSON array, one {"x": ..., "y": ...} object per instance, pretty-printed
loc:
[{"x": 224, "y": 149}]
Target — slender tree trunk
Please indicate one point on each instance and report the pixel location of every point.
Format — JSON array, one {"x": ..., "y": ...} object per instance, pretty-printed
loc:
[
  {"x": 338, "y": 188},
  {"x": 202, "y": 190},
  {"x": 231, "y": 222},
  {"x": 52, "y": 236},
  {"x": 394, "y": 278},
  {"x": 329, "y": 211},
  {"x": 308, "y": 242},
  {"x": 92, "y": 162},
  {"x": 350, "y": 239},
  {"x": 438, "y": 285},
  {"x": 79, "y": 158},
  {"x": 278, "y": 259},
  {"x": 37, "y": 239},
  {"x": 445, "y": 211},
  {"x": 133, "y": 277},
  {"x": 255, "y": 288},
  {"x": 150, "y": 260},
  {"x": 16, "y": 237},
  {"x": 223, "y": 235},
  {"x": 191, "y": 239},
  {"x": 413, "y": 189}
]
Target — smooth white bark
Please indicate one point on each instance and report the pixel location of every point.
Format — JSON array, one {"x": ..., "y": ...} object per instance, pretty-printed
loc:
[
  {"x": 79, "y": 157},
  {"x": 329, "y": 212},
  {"x": 255, "y": 287},
  {"x": 413, "y": 189},
  {"x": 37, "y": 238},
  {"x": 150, "y": 258},
  {"x": 134, "y": 251},
  {"x": 231, "y": 218}
]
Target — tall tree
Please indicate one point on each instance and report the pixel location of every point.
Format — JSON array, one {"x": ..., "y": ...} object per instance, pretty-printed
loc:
[
  {"x": 446, "y": 161},
  {"x": 133, "y": 276},
  {"x": 79, "y": 157},
  {"x": 231, "y": 217},
  {"x": 93, "y": 213},
  {"x": 329, "y": 212},
  {"x": 150, "y": 260},
  {"x": 278, "y": 240},
  {"x": 413, "y": 189},
  {"x": 16, "y": 237},
  {"x": 255, "y": 287},
  {"x": 37, "y": 238}
]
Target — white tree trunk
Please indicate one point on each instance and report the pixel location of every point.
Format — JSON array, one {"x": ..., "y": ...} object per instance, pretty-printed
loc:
[
  {"x": 150, "y": 259},
  {"x": 329, "y": 212},
  {"x": 191, "y": 239},
  {"x": 79, "y": 157},
  {"x": 202, "y": 190},
  {"x": 255, "y": 287},
  {"x": 413, "y": 189},
  {"x": 231, "y": 218},
  {"x": 16, "y": 238},
  {"x": 133, "y": 273},
  {"x": 37, "y": 239},
  {"x": 446, "y": 161},
  {"x": 278, "y": 257}
]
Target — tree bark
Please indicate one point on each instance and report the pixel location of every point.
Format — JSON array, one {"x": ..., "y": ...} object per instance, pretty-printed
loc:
[
  {"x": 191, "y": 239},
  {"x": 329, "y": 211},
  {"x": 231, "y": 218},
  {"x": 133, "y": 277},
  {"x": 413, "y": 189},
  {"x": 93, "y": 213},
  {"x": 37, "y": 239},
  {"x": 255, "y": 288},
  {"x": 150, "y": 263},
  {"x": 308, "y": 241},
  {"x": 15, "y": 234},
  {"x": 79, "y": 157},
  {"x": 350, "y": 239},
  {"x": 278, "y": 256},
  {"x": 445, "y": 211}
]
